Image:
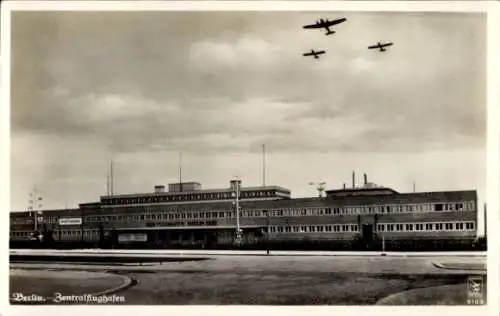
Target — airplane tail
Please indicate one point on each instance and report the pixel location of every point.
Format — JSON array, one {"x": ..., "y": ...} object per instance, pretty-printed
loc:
[{"x": 330, "y": 32}]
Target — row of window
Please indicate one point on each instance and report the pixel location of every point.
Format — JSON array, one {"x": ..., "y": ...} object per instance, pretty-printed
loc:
[
  {"x": 188, "y": 197},
  {"x": 381, "y": 227},
  {"x": 87, "y": 232},
  {"x": 357, "y": 210},
  {"x": 354, "y": 210}
]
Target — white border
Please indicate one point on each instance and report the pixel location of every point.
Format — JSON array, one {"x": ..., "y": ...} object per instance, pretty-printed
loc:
[{"x": 493, "y": 157}]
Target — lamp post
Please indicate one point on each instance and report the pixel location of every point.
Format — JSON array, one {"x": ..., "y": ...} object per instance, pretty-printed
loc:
[
  {"x": 268, "y": 232},
  {"x": 82, "y": 229},
  {"x": 34, "y": 208},
  {"x": 236, "y": 187}
]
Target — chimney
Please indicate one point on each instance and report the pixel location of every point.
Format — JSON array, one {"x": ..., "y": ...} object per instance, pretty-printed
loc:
[
  {"x": 353, "y": 179},
  {"x": 366, "y": 178},
  {"x": 343, "y": 186}
]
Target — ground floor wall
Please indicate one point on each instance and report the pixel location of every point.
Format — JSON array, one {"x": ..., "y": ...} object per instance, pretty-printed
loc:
[{"x": 256, "y": 240}]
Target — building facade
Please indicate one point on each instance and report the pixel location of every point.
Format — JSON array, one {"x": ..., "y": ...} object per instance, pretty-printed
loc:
[{"x": 186, "y": 215}]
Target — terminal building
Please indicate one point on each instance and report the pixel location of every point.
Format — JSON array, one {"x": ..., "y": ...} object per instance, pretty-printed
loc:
[{"x": 187, "y": 216}]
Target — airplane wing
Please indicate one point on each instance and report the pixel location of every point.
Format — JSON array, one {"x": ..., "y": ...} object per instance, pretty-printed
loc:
[
  {"x": 312, "y": 26},
  {"x": 373, "y": 46},
  {"x": 335, "y": 22},
  {"x": 320, "y": 52},
  {"x": 307, "y": 54},
  {"x": 388, "y": 44}
]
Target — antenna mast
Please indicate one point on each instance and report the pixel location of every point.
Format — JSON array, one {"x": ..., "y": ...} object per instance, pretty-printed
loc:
[
  {"x": 107, "y": 185},
  {"x": 180, "y": 171},
  {"x": 264, "y": 165},
  {"x": 111, "y": 177}
]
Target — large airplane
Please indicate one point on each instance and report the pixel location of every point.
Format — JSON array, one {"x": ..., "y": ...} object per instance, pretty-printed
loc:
[
  {"x": 314, "y": 53},
  {"x": 380, "y": 46},
  {"x": 325, "y": 24}
]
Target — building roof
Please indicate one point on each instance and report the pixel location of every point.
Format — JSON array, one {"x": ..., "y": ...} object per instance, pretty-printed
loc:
[{"x": 225, "y": 190}]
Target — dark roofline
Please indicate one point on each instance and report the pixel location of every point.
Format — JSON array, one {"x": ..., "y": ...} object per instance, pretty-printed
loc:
[
  {"x": 224, "y": 190},
  {"x": 362, "y": 190}
]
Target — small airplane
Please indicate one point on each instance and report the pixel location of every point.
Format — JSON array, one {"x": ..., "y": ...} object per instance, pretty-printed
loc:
[
  {"x": 314, "y": 53},
  {"x": 380, "y": 46},
  {"x": 325, "y": 24}
]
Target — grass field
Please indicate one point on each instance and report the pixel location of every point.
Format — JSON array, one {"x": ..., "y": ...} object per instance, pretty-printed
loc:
[{"x": 273, "y": 289}]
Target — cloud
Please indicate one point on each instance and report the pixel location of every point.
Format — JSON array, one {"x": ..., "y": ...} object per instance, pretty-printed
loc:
[{"x": 245, "y": 52}]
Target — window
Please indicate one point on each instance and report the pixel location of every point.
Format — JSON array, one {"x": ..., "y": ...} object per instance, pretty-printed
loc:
[
  {"x": 459, "y": 226},
  {"x": 428, "y": 226},
  {"x": 469, "y": 226},
  {"x": 345, "y": 228},
  {"x": 319, "y": 228},
  {"x": 399, "y": 227},
  {"x": 438, "y": 207},
  {"x": 409, "y": 227},
  {"x": 380, "y": 227},
  {"x": 390, "y": 227},
  {"x": 449, "y": 226},
  {"x": 336, "y": 228},
  {"x": 354, "y": 228},
  {"x": 328, "y": 228}
]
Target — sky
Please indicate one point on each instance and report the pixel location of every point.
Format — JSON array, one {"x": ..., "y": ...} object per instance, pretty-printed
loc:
[{"x": 140, "y": 87}]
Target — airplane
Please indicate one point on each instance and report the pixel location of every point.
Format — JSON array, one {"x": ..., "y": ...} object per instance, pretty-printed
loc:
[
  {"x": 380, "y": 46},
  {"x": 314, "y": 53},
  {"x": 325, "y": 24}
]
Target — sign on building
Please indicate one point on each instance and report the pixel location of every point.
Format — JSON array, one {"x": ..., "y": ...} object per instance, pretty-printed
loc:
[
  {"x": 70, "y": 221},
  {"x": 132, "y": 237}
]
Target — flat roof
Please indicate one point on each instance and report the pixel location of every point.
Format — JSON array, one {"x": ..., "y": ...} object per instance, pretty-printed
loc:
[{"x": 278, "y": 188}]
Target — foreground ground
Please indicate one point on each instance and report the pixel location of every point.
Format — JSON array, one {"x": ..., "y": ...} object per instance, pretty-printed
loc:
[{"x": 266, "y": 280}]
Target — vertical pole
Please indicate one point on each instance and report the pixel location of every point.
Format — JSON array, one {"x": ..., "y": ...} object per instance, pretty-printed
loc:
[
  {"x": 263, "y": 165},
  {"x": 111, "y": 176},
  {"x": 82, "y": 230},
  {"x": 180, "y": 171},
  {"x": 35, "y": 209},
  {"x": 268, "y": 232},
  {"x": 383, "y": 243},
  {"x": 237, "y": 209},
  {"x": 107, "y": 185}
]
